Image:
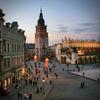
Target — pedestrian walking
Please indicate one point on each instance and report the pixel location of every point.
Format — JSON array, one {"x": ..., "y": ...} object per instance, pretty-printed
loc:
[
  {"x": 81, "y": 85},
  {"x": 63, "y": 69},
  {"x": 21, "y": 96},
  {"x": 41, "y": 88},
  {"x": 98, "y": 80},
  {"x": 25, "y": 96},
  {"x": 50, "y": 69},
  {"x": 30, "y": 96},
  {"x": 78, "y": 69},
  {"x": 50, "y": 81},
  {"x": 37, "y": 90},
  {"x": 73, "y": 70},
  {"x": 83, "y": 73},
  {"x": 18, "y": 95},
  {"x": 25, "y": 81},
  {"x": 56, "y": 75},
  {"x": 37, "y": 78}
]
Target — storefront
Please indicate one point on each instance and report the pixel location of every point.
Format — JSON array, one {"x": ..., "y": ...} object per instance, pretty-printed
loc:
[
  {"x": 6, "y": 80},
  {"x": 9, "y": 78}
]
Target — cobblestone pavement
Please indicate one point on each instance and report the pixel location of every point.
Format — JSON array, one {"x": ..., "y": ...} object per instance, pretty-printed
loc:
[
  {"x": 65, "y": 87},
  {"x": 68, "y": 87}
]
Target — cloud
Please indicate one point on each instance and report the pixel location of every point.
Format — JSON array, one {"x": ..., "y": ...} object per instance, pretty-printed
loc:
[
  {"x": 57, "y": 38},
  {"x": 79, "y": 28},
  {"x": 61, "y": 28},
  {"x": 89, "y": 27},
  {"x": 80, "y": 31},
  {"x": 90, "y": 24}
]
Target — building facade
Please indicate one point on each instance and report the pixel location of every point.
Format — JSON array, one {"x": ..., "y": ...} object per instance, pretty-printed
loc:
[
  {"x": 41, "y": 38},
  {"x": 58, "y": 51},
  {"x": 87, "y": 51},
  {"x": 29, "y": 51},
  {"x": 12, "y": 41}
]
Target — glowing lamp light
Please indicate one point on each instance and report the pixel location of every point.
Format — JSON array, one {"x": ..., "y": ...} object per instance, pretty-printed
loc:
[
  {"x": 23, "y": 71},
  {"x": 43, "y": 80},
  {"x": 35, "y": 58},
  {"x": 81, "y": 52},
  {"x": 46, "y": 62}
]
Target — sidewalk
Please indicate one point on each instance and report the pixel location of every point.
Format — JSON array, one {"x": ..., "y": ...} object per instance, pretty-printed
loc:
[
  {"x": 32, "y": 90},
  {"x": 89, "y": 70},
  {"x": 93, "y": 74},
  {"x": 13, "y": 91}
]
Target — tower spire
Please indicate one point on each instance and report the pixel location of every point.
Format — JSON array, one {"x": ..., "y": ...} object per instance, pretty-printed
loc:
[
  {"x": 41, "y": 20},
  {"x": 41, "y": 10},
  {"x": 41, "y": 15}
]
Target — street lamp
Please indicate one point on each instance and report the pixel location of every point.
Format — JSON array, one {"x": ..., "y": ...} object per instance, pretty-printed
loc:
[
  {"x": 35, "y": 59},
  {"x": 43, "y": 85}
]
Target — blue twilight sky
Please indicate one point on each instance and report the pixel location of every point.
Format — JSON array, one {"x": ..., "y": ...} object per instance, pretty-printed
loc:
[{"x": 77, "y": 19}]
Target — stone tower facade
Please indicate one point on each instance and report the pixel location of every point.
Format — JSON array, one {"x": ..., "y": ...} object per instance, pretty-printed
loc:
[{"x": 41, "y": 38}]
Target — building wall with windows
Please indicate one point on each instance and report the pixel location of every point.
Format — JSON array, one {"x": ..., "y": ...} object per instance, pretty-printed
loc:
[
  {"x": 58, "y": 51},
  {"x": 88, "y": 51},
  {"x": 12, "y": 41},
  {"x": 29, "y": 51}
]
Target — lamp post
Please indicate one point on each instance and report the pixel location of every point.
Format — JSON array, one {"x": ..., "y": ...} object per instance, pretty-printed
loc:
[
  {"x": 35, "y": 59},
  {"x": 43, "y": 85}
]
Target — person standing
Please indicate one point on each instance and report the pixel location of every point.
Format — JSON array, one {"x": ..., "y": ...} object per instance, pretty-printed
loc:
[
  {"x": 18, "y": 95},
  {"x": 21, "y": 96},
  {"x": 81, "y": 85},
  {"x": 30, "y": 96},
  {"x": 41, "y": 88},
  {"x": 56, "y": 75},
  {"x": 83, "y": 73}
]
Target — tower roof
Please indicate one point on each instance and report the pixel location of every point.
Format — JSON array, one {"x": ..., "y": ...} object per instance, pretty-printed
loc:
[
  {"x": 41, "y": 15},
  {"x": 41, "y": 20},
  {"x": 1, "y": 13}
]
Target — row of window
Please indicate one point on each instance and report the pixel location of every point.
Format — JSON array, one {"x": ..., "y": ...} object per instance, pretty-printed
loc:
[
  {"x": 7, "y": 47},
  {"x": 13, "y": 61}
]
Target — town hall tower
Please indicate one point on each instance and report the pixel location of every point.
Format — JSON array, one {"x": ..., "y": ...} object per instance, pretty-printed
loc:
[{"x": 41, "y": 38}]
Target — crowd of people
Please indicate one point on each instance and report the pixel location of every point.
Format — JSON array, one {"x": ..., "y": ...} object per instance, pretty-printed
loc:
[{"x": 36, "y": 72}]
